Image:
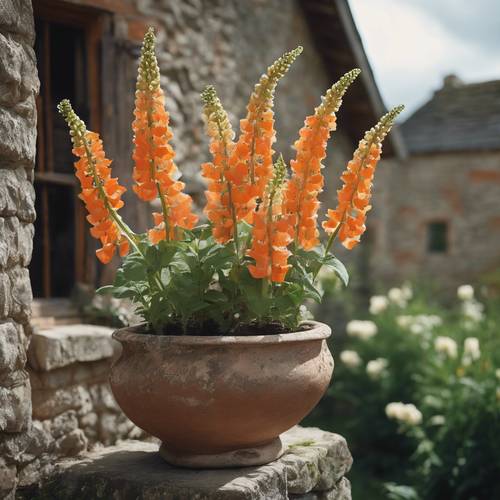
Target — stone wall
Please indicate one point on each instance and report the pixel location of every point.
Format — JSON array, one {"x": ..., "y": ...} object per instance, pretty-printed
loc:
[
  {"x": 461, "y": 189},
  {"x": 73, "y": 407},
  {"x": 18, "y": 87}
]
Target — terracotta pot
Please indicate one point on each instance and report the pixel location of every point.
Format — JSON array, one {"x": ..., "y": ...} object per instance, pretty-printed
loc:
[{"x": 220, "y": 401}]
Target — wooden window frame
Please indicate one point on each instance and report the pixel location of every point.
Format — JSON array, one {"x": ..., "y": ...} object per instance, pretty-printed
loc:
[{"x": 92, "y": 22}]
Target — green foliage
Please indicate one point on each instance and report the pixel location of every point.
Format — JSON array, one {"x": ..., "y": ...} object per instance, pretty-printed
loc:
[
  {"x": 205, "y": 287},
  {"x": 445, "y": 362}
]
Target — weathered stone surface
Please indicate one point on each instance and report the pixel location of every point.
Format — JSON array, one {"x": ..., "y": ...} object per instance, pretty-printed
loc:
[
  {"x": 49, "y": 404},
  {"x": 71, "y": 444},
  {"x": 62, "y": 424},
  {"x": 15, "y": 294},
  {"x": 64, "y": 345},
  {"x": 15, "y": 405},
  {"x": 12, "y": 354},
  {"x": 318, "y": 460},
  {"x": 92, "y": 372},
  {"x": 18, "y": 134},
  {"x": 7, "y": 478},
  {"x": 17, "y": 196},
  {"x": 18, "y": 75},
  {"x": 134, "y": 470},
  {"x": 17, "y": 17}
]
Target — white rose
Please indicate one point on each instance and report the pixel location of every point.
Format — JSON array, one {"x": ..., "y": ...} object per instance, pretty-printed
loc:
[
  {"x": 472, "y": 310},
  {"x": 412, "y": 415},
  {"x": 437, "y": 420},
  {"x": 361, "y": 329},
  {"x": 407, "y": 291},
  {"x": 350, "y": 358},
  {"x": 472, "y": 351},
  {"x": 465, "y": 292},
  {"x": 376, "y": 367},
  {"x": 407, "y": 413},
  {"x": 378, "y": 304},
  {"x": 397, "y": 296},
  {"x": 447, "y": 346},
  {"x": 394, "y": 410}
]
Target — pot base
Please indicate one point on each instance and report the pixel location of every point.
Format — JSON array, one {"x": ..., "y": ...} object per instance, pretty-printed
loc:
[{"x": 246, "y": 457}]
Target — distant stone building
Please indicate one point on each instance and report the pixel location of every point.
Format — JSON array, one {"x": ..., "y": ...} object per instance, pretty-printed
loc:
[{"x": 437, "y": 212}]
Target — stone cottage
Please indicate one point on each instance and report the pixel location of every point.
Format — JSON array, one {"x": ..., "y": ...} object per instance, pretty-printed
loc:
[
  {"x": 54, "y": 399},
  {"x": 438, "y": 210}
]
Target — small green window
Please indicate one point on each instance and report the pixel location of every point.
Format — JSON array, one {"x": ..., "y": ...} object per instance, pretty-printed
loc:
[{"x": 437, "y": 237}]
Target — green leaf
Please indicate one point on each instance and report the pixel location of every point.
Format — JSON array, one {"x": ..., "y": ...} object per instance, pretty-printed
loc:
[
  {"x": 339, "y": 268},
  {"x": 105, "y": 290}
]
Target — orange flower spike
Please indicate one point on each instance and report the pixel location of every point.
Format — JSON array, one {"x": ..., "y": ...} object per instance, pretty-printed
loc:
[
  {"x": 254, "y": 151},
  {"x": 270, "y": 235},
  {"x": 100, "y": 192},
  {"x": 348, "y": 219},
  {"x": 155, "y": 172},
  {"x": 220, "y": 208},
  {"x": 302, "y": 190}
]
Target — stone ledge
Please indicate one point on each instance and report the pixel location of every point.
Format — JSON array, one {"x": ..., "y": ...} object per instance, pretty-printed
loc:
[
  {"x": 64, "y": 345},
  {"x": 313, "y": 467}
]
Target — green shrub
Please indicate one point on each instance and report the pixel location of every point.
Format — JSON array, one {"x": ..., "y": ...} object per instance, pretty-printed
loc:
[{"x": 416, "y": 392}]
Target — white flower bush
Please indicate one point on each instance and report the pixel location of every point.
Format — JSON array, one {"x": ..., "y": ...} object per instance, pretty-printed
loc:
[
  {"x": 446, "y": 361},
  {"x": 376, "y": 368},
  {"x": 350, "y": 358},
  {"x": 363, "y": 330}
]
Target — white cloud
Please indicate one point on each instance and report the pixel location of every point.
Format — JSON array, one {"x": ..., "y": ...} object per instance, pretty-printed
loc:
[{"x": 411, "y": 46}]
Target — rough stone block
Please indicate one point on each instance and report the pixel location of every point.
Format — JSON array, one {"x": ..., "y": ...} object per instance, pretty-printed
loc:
[
  {"x": 64, "y": 345},
  {"x": 17, "y": 16},
  {"x": 7, "y": 477},
  {"x": 17, "y": 136},
  {"x": 21, "y": 294},
  {"x": 321, "y": 459},
  {"x": 71, "y": 444},
  {"x": 18, "y": 74},
  {"x": 12, "y": 355},
  {"x": 15, "y": 405},
  {"x": 62, "y": 424},
  {"x": 48, "y": 404},
  {"x": 134, "y": 469},
  {"x": 103, "y": 399},
  {"x": 17, "y": 195}
]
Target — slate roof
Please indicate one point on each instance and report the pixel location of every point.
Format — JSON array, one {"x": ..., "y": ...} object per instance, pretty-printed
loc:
[{"x": 459, "y": 117}]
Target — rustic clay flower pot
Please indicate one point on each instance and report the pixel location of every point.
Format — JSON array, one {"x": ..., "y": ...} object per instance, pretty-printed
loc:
[{"x": 220, "y": 401}]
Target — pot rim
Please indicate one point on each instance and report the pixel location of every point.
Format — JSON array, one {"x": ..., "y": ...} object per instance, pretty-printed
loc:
[{"x": 318, "y": 331}]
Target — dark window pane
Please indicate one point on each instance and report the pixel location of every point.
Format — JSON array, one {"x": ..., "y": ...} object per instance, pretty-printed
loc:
[{"x": 437, "y": 237}]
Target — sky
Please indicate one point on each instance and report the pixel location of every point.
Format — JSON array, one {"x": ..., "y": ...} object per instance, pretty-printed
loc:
[{"x": 413, "y": 44}]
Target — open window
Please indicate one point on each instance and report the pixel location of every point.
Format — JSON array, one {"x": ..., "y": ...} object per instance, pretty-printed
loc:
[{"x": 66, "y": 46}]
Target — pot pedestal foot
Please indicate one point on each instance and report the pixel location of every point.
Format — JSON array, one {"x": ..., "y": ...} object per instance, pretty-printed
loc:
[{"x": 246, "y": 457}]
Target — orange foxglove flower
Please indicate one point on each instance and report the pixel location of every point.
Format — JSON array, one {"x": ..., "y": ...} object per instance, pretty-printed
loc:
[
  {"x": 221, "y": 208},
  {"x": 252, "y": 159},
  {"x": 301, "y": 194},
  {"x": 270, "y": 232},
  {"x": 101, "y": 193},
  {"x": 348, "y": 219},
  {"x": 155, "y": 172}
]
